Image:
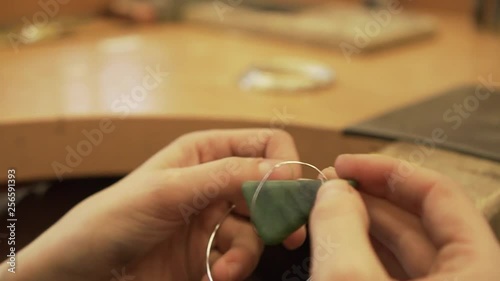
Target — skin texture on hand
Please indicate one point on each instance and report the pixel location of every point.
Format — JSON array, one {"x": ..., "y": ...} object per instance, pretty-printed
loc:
[
  {"x": 156, "y": 221},
  {"x": 416, "y": 225}
]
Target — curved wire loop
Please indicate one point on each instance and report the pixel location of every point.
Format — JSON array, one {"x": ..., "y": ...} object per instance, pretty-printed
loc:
[{"x": 252, "y": 206}]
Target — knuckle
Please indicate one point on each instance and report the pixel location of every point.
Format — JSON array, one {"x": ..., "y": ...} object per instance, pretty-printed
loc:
[
  {"x": 184, "y": 138},
  {"x": 282, "y": 134},
  {"x": 195, "y": 135}
]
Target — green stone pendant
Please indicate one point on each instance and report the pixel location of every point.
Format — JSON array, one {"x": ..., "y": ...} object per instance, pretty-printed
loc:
[{"x": 281, "y": 207}]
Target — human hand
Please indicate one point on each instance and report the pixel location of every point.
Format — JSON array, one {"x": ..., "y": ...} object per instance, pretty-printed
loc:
[
  {"x": 419, "y": 226},
  {"x": 156, "y": 221}
]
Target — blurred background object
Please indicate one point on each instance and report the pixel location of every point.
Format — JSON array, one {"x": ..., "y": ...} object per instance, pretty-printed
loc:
[
  {"x": 318, "y": 21},
  {"x": 14, "y": 11},
  {"x": 329, "y": 25},
  {"x": 303, "y": 18},
  {"x": 31, "y": 33},
  {"x": 287, "y": 75},
  {"x": 487, "y": 14},
  {"x": 147, "y": 10}
]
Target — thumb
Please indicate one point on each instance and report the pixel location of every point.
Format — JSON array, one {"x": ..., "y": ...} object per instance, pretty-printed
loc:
[{"x": 341, "y": 247}]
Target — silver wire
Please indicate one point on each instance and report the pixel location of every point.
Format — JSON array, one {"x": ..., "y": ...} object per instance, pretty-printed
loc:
[
  {"x": 211, "y": 241},
  {"x": 264, "y": 179},
  {"x": 252, "y": 206}
]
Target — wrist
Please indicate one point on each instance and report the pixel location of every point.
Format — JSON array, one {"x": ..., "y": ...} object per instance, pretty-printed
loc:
[
  {"x": 44, "y": 259},
  {"x": 66, "y": 251}
]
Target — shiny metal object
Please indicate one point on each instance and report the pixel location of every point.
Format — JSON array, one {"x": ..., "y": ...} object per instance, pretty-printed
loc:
[
  {"x": 254, "y": 198},
  {"x": 211, "y": 241},
  {"x": 287, "y": 75}
]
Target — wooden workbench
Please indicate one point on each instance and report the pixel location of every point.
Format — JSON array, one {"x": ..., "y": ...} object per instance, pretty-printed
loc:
[{"x": 54, "y": 90}]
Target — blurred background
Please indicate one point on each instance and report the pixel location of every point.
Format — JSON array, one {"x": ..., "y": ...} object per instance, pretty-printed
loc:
[{"x": 90, "y": 89}]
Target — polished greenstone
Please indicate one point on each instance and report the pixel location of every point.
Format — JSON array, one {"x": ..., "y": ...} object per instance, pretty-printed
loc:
[{"x": 281, "y": 207}]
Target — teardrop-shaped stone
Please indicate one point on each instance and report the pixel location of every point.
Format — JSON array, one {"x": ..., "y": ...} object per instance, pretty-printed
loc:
[{"x": 281, "y": 207}]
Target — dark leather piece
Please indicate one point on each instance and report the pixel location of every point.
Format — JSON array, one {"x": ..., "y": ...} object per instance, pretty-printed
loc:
[{"x": 468, "y": 117}]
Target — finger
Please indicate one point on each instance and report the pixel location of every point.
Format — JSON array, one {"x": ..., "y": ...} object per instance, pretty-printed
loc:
[
  {"x": 424, "y": 193},
  {"x": 339, "y": 232},
  {"x": 241, "y": 249},
  {"x": 296, "y": 239},
  {"x": 402, "y": 233},
  {"x": 211, "y": 145},
  {"x": 389, "y": 260},
  {"x": 233, "y": 227},
  {"x": 388, "y": 228},
  {"x": 215, "y": 255},
  {"x": 329, "y": 173},
  {"x": 190, "y": 190},
  {"x": 215, "y": 213}
]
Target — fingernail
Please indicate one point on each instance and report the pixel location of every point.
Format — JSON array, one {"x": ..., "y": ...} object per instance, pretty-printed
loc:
[
  {"x": 340, "y": 157},
  {"x": 344, "y": 155},
  {"x": 328, "y": 173},
  {"x": 333, "y": 188},
  {"x": 329, "y": 169}
]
